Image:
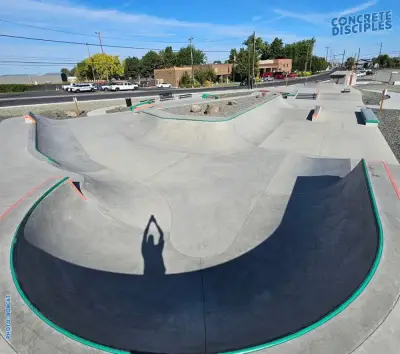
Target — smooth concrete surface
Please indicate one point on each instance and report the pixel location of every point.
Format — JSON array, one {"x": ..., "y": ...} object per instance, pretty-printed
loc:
[{"x": 263, "y": 225}]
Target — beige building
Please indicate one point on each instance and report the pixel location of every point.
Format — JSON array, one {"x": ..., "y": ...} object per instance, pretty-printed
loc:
[
  {"x": 272, "y": 65},
  {"x": 173, "y": 75}
]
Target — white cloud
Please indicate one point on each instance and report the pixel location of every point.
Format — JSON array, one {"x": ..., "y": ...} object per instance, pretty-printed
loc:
[
  {"x": 256, "y": 18},
  {"x": 322, "y": 18},
  {"x": 358, "y": 8}
]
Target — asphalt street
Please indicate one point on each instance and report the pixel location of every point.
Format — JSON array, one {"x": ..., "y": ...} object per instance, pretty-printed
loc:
[{"x": 29, "y": 98}]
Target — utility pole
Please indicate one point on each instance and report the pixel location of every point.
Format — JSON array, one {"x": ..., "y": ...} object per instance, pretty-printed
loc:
[
  {"x": 380, "y": 49},
  {"x": 191, "y": 59},
  {"x": 344, "y": 53},
  {"x": 90, "y": 57},
  {"x": 254, "y": 52},
  {"x": 358, "y": 57},
  {"x": 326, "y": 57},
  {"x": 312, "y": 49},
  {"x": 101, "y": 44}
]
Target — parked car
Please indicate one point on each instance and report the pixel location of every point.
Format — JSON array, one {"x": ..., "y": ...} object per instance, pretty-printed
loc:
[
  {"x": 292, "y": 75},
  {"x": 68, "y": 86},
  {"x": 121, "y": 86},
  {"x": 82, "y": 88},
  {"x": 267, "y": 74},
  {"x": 164, "y": 85},
  {"x": 279, "y": 75},
  {"x": 106, "y": 86},
  {"x": 268, "y": 78}
]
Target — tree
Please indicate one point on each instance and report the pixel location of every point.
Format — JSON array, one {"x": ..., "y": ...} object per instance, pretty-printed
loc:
[
  {"x": 150, "y": 61},
  {"x": 232, "y": 56},
  {"x": 276, "y": 49},
  {"x": 83, "y": 70},
  {"x": 384, "y": 61},
  {"x": 350, "y": 63},
  {"x": 242, "y": 65},
  {"x": 217, "y": 62},
  {"x": 106, "y": 66},
  {"x": 184, "y": 56},
  {"x": 185, "y": 80},
  {"x": 132, "y": 67},
  {"x": 73, "y": 71},
  {"x": 318, "y": 64},
  {"x": 65, "y": 71},
  {"x": 167, "y": 58},
  {"x": 205, "y": 73}
]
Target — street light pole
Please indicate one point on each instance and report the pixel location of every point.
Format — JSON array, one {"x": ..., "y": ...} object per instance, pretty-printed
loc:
[
  {"x": 191, "y": 59},
  {"x": 101, "y": 44}
]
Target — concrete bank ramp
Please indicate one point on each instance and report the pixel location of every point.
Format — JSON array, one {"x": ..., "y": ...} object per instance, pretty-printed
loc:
[{"x": 316, "y": 258}]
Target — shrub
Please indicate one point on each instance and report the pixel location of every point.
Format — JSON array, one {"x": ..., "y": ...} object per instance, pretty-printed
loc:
[
  {"x": 4, "y": 88},
  {"x": 307, "y": 73},
  {"x": 205, "y": 73},
  {"x": 185, "y": 80},
  {"x": 207, "y": 83},
  {"x": 196, "y": 83},
  {"x": 300, "y": 74}
]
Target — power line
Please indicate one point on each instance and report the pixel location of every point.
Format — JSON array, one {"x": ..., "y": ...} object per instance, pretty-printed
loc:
[
  {"x": 116, "y": 38},
  {"x": 98, "y": 45}
]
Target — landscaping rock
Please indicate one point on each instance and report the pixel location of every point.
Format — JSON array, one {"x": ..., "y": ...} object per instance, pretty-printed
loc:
[
  {"x": 71, "y": 114},
  {"x": 232, "y": 103},
  {"x": 211, "y": 109},
  {"x": 195, "y": 108}
]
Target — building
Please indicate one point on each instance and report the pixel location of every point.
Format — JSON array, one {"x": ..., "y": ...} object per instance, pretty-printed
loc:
[
  {"x": 272, "y": 65},
  {"x": 31, "y": 79},
  {"x": 344, "y": 78},
  {"x": 174, "y": 74}
]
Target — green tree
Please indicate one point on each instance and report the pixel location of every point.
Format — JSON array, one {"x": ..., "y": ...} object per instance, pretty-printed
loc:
[
  {"x": 205, "y": 73},
  {"x": 184, "y": 56},
  {"x": 185, "y": 80},
  {"x": 217, "y": 62},
  {"x": 65, "y": 71},
  {"x": 132, "y": 67},
  {"x": 150, "y": 61},
  {"x": 106, "y": 66},
  {"x": 83, "y": 70},
  {"x": 242, "y": 65},
  {"x": 350, "y": 63},
  {"x": 167, "y": 58},
  {"x": 232, "y": 55},
  {"x": 73, "y": 71},
  {"x": 318, "y": 64},
  {"x": 276, "y": 49},
  {"x": 384, "y": 61}
]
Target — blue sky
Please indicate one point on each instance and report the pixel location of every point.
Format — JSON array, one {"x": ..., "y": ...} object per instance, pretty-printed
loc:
[{"x": 157, "y": 23}]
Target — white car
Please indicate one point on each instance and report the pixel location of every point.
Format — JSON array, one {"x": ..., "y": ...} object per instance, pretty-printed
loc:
[
  {"x": 122, "y": 86},
  {"x": 82, "y": 88},
  {"x": 67, "y": 87},
  {"x": 164, "y": 85}
]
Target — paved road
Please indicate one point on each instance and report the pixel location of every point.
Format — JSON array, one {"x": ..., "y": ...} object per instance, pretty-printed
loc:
[{"x": 29, "y": 98}]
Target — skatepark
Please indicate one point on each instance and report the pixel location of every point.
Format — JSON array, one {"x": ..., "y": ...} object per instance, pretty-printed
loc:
[{"x": 274, "y": 230}]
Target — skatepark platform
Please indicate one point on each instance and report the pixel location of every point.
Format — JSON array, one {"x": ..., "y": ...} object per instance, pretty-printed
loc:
[{"x": 136, "y": 234}]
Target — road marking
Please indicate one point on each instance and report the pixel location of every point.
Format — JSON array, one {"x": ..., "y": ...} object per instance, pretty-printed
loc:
[{"x": 396, "y": 189}]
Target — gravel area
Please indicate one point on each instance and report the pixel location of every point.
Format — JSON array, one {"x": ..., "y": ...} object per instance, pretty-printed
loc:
[
  {"x": 372, "y": 98},
  {"x": 225, "y": 109},
  {"x": 390, "y": 128},
  {"x": 19, "y": 111}
]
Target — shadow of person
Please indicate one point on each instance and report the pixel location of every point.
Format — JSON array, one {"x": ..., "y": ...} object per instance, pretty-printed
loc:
[{"x": 151, "y": 252}]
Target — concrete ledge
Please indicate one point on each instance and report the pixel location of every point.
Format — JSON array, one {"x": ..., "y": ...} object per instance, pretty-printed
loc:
[
  {"x": 317, "y": 111},
  {"x": 369, "y": 117}
]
